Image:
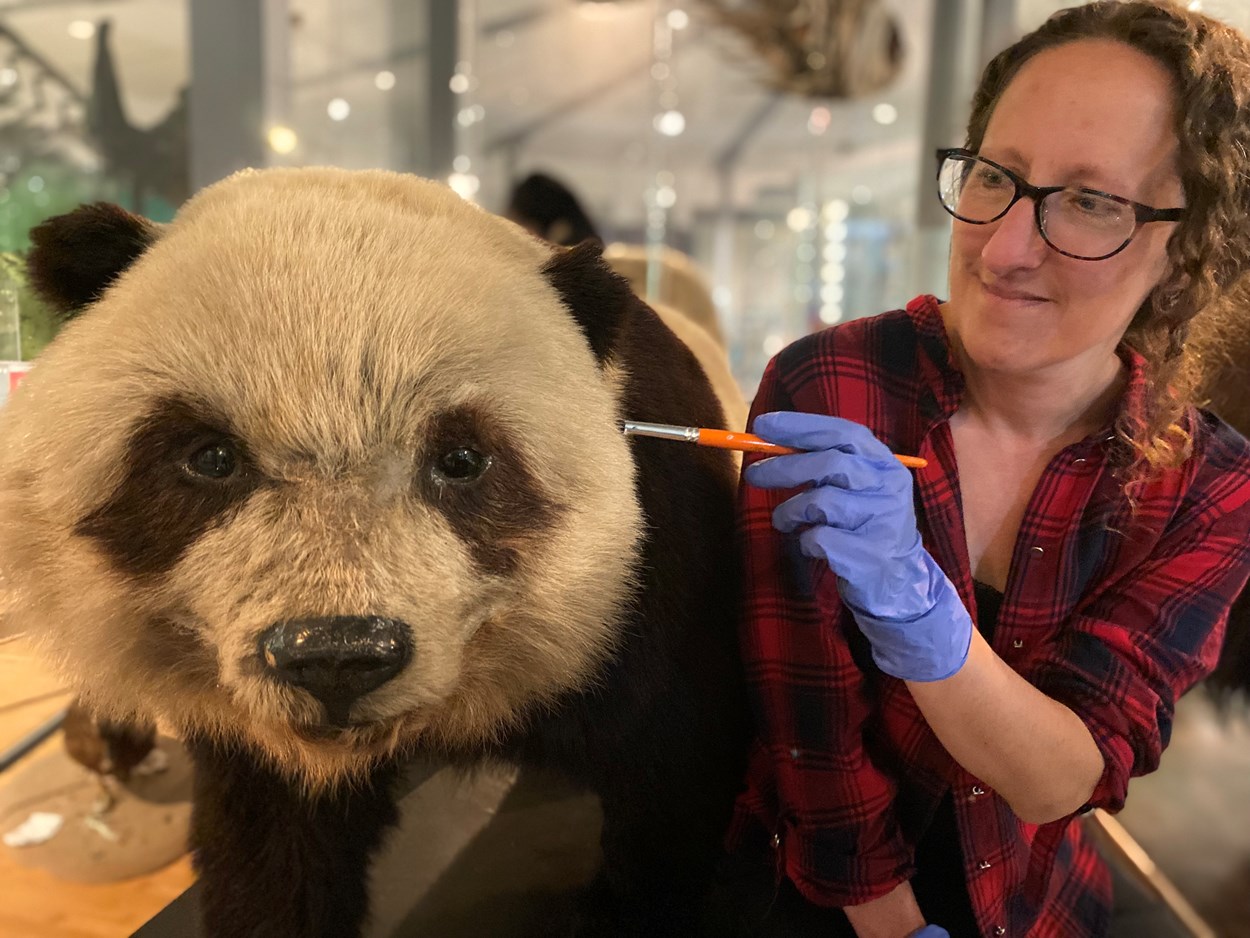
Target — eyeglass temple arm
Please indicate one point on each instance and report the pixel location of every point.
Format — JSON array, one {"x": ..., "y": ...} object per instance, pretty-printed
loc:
[{"x": 1147, "y": 214}]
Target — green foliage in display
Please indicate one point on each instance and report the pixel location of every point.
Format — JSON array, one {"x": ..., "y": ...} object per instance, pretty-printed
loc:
[
  {"x": 38, "y": 325},
  {"x": 41, "y": 189}
]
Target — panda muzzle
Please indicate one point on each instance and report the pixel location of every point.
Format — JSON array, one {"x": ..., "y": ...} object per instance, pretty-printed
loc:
[{"x": 336, "y": 659}]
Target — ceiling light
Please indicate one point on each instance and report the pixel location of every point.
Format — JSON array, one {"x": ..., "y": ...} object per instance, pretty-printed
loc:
[
  {"x": 464, "y": 185},
  {"x": 885, "y": 113},
  {"x": 818, "y": 121},
  {"x": 282, "y": 139},
  {"x": 836, "y": 210},
  {"x": 798, "y": 219},
  {"x": 670, "y": 123}
]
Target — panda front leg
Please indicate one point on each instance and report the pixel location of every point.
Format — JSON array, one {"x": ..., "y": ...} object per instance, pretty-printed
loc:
[{"x": 276, "y": 863}]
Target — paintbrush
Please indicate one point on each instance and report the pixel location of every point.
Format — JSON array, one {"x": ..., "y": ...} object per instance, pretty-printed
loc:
[{"x": 727, "y": 439}]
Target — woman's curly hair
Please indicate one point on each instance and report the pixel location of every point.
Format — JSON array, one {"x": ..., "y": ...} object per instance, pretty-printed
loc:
[{"x": 1209, "y": 63}]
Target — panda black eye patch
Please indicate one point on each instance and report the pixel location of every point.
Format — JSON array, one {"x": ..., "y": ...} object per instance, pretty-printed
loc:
[
  {"x": 469, "y": 470},
  {"x": 184, "y": 472}
]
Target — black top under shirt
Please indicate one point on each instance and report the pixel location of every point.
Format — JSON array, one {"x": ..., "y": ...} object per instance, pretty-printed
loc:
[
  {"x": 939, "y": 883},
  {"x": 779, "y": 911}
]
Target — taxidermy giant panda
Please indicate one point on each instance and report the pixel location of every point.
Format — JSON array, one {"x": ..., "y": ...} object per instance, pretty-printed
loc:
[{"x": 328, "y": 473}]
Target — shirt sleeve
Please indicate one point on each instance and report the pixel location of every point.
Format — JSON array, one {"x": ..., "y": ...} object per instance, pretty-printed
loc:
[
  {"x": 839, "y": 842},
  {"x": 1124, "y": 661}
]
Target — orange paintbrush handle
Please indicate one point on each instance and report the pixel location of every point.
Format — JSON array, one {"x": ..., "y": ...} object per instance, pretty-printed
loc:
[
  {"x": 750, "y": 443},
  {"x": 745, "y": 442}
]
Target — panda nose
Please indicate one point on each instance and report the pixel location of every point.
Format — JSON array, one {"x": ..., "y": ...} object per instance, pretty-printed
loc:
[{"x": 337, "y": 659}]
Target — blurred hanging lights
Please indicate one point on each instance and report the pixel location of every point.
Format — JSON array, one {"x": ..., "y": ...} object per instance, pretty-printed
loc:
[
  {"x": 668, "y": 122},
  {"x": 467, "y": 128},
  {"x": 833, "y": 255}
]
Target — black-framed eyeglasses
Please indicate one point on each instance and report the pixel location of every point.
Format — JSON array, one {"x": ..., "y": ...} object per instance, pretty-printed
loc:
[{"x": 1077, "y": 222}]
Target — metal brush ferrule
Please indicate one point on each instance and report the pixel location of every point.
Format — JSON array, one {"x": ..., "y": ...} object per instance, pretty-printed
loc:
[{"x": 662, "y": 431}]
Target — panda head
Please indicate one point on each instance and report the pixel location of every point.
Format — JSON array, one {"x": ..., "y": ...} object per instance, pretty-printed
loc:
[{"x": 329, "y": 464}]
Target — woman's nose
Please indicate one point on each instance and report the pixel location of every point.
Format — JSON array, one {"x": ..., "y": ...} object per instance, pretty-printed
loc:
[{"x": 1014, "y": 241}]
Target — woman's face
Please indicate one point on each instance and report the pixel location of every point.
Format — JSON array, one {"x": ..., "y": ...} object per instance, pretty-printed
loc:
[{"x": 1092, "y": 113}]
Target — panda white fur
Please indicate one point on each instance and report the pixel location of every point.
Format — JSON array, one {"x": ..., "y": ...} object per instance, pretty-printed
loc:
[{"x": 327, "y": 472}]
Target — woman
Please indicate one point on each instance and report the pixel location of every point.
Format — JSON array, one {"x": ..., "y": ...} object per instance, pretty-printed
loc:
[{"x": 950, "y": 666}]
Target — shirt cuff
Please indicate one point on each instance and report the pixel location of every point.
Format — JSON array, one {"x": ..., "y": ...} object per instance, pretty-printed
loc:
[{"x": 835, "y": 868}]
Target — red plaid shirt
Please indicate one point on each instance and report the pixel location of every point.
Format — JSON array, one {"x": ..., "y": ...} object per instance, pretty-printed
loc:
[{"x": 1114, "y": 615}]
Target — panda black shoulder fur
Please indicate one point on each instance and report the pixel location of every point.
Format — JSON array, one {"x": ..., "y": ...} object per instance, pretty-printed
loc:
[{"x": 327, "y": 472}]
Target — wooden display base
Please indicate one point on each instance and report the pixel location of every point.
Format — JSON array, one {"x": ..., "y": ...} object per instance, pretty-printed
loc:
[{"x": 145, "y": 828}]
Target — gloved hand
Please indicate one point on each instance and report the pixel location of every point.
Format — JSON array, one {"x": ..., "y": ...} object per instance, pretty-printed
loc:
[
  {"x": 856, "y": 513},
  {"x": 930, "y": 931}
]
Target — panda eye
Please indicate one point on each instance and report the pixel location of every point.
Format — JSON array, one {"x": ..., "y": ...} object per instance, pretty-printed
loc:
[
  {"x": 462, "y": 464},
  {"x": 217, "y": 461}
]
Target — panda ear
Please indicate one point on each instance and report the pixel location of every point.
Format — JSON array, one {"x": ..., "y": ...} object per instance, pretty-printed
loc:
[
  {"x": 77, "y": 255},
  {"x": 600, "y": 300}
]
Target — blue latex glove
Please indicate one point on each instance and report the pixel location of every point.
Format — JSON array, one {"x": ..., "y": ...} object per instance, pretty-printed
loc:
[
  {"x": 856, "y": 514},
  {"x": 930, "y": 931}
]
